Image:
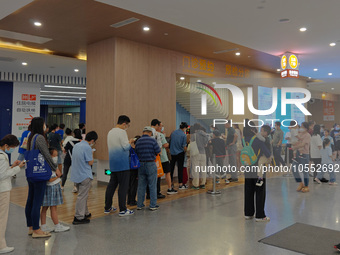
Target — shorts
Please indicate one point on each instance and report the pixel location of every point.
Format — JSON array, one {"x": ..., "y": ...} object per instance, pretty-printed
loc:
[
  {"x": 60, "y": 157},
  {"x": 166, "y": 167},
  {"x": 337, "y": 146}
]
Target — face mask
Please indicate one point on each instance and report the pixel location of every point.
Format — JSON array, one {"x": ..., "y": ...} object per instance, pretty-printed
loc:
[
  {"x": 55, "y": 160},
  {"x": 44, "y": 128},
  {"x": 9, "y": 151},
  {"x": 91, "y": 145},
  {"x": 162, "y": 130},
  {"x": 211, "y": 129},
  {"x": 336, "y": 128}
]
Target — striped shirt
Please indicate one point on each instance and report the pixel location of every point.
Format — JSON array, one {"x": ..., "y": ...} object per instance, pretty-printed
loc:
[{"x": 147, "y": 148}]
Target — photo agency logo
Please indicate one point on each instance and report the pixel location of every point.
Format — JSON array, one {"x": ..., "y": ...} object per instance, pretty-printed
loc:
[{"x": 239, "y": 102}]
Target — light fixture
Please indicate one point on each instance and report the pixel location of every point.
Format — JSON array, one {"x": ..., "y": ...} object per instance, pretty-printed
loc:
[
  {"x": 332, "y": 44},
  {"x": 309, "y": 77},
  {"x": 37, "y": 24},
  {"x": 332, "y": 88},
  {"x": 303, "y": 29},
  {"x": 237, "y": 53},
  {"x": 284, "y": 20},
  {"x": 80, "y": 98},
  {"x": 24, "y": 63},
  {"x": 61, "y": 96},
  {"x": 214, "y": 83},
  {"x": 330, "y": 74},
  {"x": 146, "y": 28},
  {"x": 56, "y": 99},
  {"x": 63, "y": 87},
  {"x": 182, "y": 78},
  {"x": 323, "y": 95},
  {"x": 198, "y": 80},
  {"x": 315, "y": 69},
  {"x": 63, "y": 92},
  {"x": 166, "y": 34},
  {"x": 76, "y": 70},
  {"x": 278, "y": 70}
]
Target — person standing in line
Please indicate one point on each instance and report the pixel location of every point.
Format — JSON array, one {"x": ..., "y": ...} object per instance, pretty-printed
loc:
[
  {"x": 327, "y": 163},
  {"x": 315, "y": 148},
  {"x": 119, "y": 151},
  {"x": 199, "y": 161},
  {"x": 81, "y": 174},
  {"x": 60, "y": 131},
  {"x": 133, "y": 182},
  {"x": 36, "y": 189},
  {"x": 83, "y": 130},
  {"x": 232, "y": 150},
  {"x": 69, "y": 137},
  {"x": 239, "y": 145},
  {"x": 55, "y": 141},
  {"x": 335, "y": 134},
  {"x": 68, "y": 157},
  {"x": 147, "y": 149},
  {"x": 311, "y": 124},
  {"x": 277, "y": 144},
  {"x": 218, "y": 149},
  {"x": 7, "y": 146},
  {"x": 22, "y": 149},
  {"x": 327, "y": 135},
  {"x": 178, "y": 147},
  {"x": 254, "y": 195},
  {"x": 156, "y": 127},
  {"x": 302, "y": 146}
]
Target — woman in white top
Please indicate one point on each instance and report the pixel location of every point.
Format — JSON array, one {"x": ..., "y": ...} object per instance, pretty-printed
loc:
[
  {"x": 7, "y": 146},
  {"x": 315, "y": 148}
]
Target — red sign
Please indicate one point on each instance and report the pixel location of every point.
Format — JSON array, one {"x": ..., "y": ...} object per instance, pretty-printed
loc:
[
  {"x": 33, "y": 97},
  {"x": 290, "y": 73},
  {"x": 25, "y": 97}
]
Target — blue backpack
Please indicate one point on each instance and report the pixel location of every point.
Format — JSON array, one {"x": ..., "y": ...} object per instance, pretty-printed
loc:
[
  {"x": 37, "y": 169},
  {"x": 248, "y": 156},
  {"x": 134, "y": 160}
]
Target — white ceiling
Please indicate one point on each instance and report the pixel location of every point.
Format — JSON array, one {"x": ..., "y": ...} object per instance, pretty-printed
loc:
[{"x": 255, "y": 24}]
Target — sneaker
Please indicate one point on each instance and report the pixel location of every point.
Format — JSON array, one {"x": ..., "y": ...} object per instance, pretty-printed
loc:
[
  {"x": 333, "y": 183},
  {"x": 140, "y": 207},
  {"x": 249, "y": 217},
  {"x": 202, "y": 186},
  {"x": 184, "y": 186},
  {"x": 227, "y": 181},
  {"x": 337, "y": 247},
  {"x": 6, "y": 250},
  {"x": 259, "y": 182},
  {"x": 61, "y": 228},
  {"x": 112, "y": 209},
  {"x": 88, "y": 215},
  {"x": 75, "y": 190},
  {"x": 160, "y": 196},
  {"x": 171, "y": 191},
  {"x": 62, "y": 188},
  {"x": 193, "y": 187},
  {"x": 262, "y": 219},
  {"x": 83, "y": 221},
  {"x": 46, "y": 228},
  {"x": 317, "y": 180},
  {"x": 324, "y": 180},
  {"x": 127, "y": 212},
  {"x": 154, "y": 208},
  {"x": 217, "y": 181}
]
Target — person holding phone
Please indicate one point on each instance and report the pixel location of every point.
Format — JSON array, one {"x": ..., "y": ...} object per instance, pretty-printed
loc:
[{"x": 7, "y": 146}]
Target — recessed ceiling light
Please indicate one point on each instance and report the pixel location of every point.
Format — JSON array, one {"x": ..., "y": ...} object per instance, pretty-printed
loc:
[
  {"x": 330, "y": 74},
  {"x": 166, "y": 34},
  {"x": 63, "y": 87},
  {"x": 24, "y": 63},
  {"x": 278, "y": 70},
  {"x": 182, "y": 78},
  {"x": 146, "y": 28},
  {"x": 303, "y": 29},
  {"x": 237, "y": 53},
  {"x": 323, "y": 95},
  {"x": 76, "y": 70},
  {"x": 315, "y": 69},
  {"x": 332, "y": 44},
  {"x": 309, "y": 77},
  {"x": 37, "y": 24},
  {"x": 198, "y": 80},
  {"x": 332, "y": 88}
]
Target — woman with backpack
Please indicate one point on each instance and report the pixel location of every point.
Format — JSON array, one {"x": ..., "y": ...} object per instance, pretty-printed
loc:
[{"x": 251, "y": 190}]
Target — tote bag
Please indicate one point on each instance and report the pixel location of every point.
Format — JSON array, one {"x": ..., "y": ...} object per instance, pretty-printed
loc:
[
  {"x": 24, "y": 142},
  {"x": 160, "y": 171},
  {"x": 134, "y": 161},
  {"x": 37, "y": 169}
]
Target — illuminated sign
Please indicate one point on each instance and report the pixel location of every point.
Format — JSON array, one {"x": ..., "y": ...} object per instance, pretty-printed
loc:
[{"x": 290, "y": 66}]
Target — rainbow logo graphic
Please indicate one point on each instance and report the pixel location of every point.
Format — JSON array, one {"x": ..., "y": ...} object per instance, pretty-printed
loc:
[{"x": 209, "y": 93}]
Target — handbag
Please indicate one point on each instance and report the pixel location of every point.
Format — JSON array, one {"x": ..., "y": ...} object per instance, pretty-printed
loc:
[
  {"x": 193, "y": 148},
  {"x": 37, "y": 169},
  {"x": 134, "y": 160},
  {"x": 158, "y": 161},
  {"x": 24, "y": 142}
]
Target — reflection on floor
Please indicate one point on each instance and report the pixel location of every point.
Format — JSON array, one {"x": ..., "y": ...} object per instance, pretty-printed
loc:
[{"x": 200, "y": 224}]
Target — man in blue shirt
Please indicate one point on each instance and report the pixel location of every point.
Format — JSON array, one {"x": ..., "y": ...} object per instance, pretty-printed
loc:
[
  {"x": 147, "y": 149},
  {"x": 81, "y": 175},
  {"x": 60, "y": 131},
  {"x": 178, "y": 146}
]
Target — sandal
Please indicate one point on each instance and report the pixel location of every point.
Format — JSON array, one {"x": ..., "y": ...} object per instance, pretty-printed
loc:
[{"x": 305, "y": 190}]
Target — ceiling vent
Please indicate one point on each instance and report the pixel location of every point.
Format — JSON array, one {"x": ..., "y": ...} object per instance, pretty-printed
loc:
[
  {"x": 124, "y": 22},
  {"x": 224, "y": 51},
  {"x": 7, "y": 59}
]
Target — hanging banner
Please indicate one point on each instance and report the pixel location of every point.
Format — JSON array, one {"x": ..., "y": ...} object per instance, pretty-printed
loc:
[
  {"x": 328, "y": 111},
  {"x": 26, "y": 106}
]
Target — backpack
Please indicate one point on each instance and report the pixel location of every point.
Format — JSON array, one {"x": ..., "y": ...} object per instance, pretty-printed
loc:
[{"x": 248, "y": 156}]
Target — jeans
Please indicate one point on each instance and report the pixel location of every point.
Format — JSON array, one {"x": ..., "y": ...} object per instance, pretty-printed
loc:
[
  {"x": 36, "y": 192},
  {"x": 301, "y": 167},
  {"x": 277, "y": 155},
  {"x": 329, "y": 170},
  {"x": 147, "y": 175}
]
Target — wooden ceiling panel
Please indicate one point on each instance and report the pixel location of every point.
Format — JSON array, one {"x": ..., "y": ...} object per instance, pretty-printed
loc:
[{"x": 74, "y": 24}]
